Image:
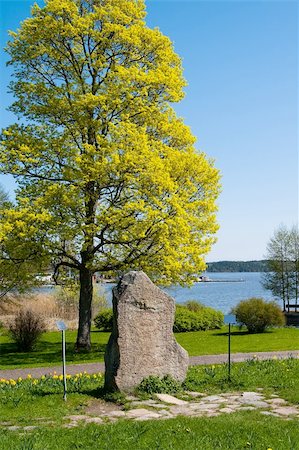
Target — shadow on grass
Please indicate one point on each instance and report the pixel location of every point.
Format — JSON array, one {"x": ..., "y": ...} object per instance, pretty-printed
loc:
[
  {"x": 243, "y": 333},
  {"x": 47, "y": 353},
  {"x": 96, "y": 392}
]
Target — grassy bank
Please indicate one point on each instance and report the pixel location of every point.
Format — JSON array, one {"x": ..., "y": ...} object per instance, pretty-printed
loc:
[{"x": 48, "y": 350}]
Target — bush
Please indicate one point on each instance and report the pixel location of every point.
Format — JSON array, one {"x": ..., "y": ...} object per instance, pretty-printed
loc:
[
  {"x": 26, "y": 329},
  {"x": 193, "y": 305},
  {"x": 104, "y": 320},
  {"x": 194, "y": 316},
  {"x": 156, "y": 385},
  {"x": 257, "y": 314}
]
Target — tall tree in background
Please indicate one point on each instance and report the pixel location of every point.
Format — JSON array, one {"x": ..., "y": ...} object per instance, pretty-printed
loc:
[
  {"x": 104, "y": 165},
  {"x": 283, "y": 263}
]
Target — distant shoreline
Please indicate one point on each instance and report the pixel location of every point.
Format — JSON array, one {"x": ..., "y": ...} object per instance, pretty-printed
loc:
[{"x": 237, "y": 266}]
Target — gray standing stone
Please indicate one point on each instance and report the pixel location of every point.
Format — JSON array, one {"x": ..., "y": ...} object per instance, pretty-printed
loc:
[{"x": 142, "y": 341}]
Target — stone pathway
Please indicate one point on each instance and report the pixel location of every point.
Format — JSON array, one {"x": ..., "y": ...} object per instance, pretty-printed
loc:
[
  {"x": 194, "y": 404},
  {"x": 164, "y": 406},
  {"x": 72, "y": 369}
]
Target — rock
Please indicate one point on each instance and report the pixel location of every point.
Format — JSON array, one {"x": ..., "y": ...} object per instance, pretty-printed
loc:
[
  {"x": 212, "y": 398},
  {"x": 77, "y": 417},
  {"x": 227, "y": 410},
  {"x": 286, "y": 410},
  {"x": 142, "y": 413},
  {"x": 117, "y": 413},
  {"x": 170, "y": 399},
  {"x": 195, "y": 394},
  {"x": 94, "y": 420},
  {"x": 142, "y": 341}
]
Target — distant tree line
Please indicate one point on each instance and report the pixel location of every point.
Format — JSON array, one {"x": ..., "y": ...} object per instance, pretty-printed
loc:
[{"x": 238, "y": 266}]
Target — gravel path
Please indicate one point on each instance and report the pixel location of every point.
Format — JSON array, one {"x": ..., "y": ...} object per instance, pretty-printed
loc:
[{"x": 72, "y": 369}]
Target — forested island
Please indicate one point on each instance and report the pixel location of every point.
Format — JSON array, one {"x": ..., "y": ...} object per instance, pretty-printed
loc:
[{"x": 238, "y": 266}]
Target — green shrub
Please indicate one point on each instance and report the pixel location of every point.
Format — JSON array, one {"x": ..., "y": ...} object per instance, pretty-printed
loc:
[
  {"x": 193, "y": 305},
  {"x": 104, "y": 320},
  {"x": 26, "y": 329},
  {"x": 194, "y": 316},
  {"x": 156, "y": 385},
  {"x": 185, "y": 320},
  {"x": 257, "y": 314}
]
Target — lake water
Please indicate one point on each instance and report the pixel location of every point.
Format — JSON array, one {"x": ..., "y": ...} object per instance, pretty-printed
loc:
[{"x": 222, "y": 294}]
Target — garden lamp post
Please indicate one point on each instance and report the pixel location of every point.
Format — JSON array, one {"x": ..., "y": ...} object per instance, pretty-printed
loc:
[{"x": 62, "y": 327}]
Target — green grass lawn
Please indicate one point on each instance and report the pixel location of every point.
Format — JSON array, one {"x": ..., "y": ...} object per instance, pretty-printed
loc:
[
  {"x": 247, "y": 430},
  {"x": 48, "y": 350},
  {"x": 26, "y": 403}
]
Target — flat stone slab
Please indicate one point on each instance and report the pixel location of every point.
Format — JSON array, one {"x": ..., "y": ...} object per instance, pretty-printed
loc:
[
  {"x": 77, "y": 417},
  {"x": 195, "y": 394},
  {"x": 277, "y": 401},
  {"x": 213, "y": 398},
  {"x": 142, "y": 413},
  {"x": 252, "y": 395},
  {"x": 166, "y": 398},
  {"x": 94, "y": 420},
  {"x": 286, "y": 410},
  {"x": 30, "y": 428},
  {"x": 227, "y": 410},
  {"x": 117, "y": 413}
]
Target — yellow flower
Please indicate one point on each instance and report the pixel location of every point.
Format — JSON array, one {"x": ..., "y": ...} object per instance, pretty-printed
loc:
[
  {"x": 2, "y": 380},
  {"x": 43, "y": 377},
  {"x": 55, "y": 377},
  {"x": 20, "y": 379},
  {"x": 12, "y": 382},
  {"x": 60, "y": 377},
  {"x": 68, "y": 377},
  {"x": 29, "y": 376},
  {"x": 35, "y": 382}
]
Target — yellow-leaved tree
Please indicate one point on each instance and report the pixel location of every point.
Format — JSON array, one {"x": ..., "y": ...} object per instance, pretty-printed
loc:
[{"x": 102, "y": 161}]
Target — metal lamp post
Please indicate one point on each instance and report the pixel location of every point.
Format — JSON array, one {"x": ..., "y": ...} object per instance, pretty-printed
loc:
[{"x": 62, "y": 327}]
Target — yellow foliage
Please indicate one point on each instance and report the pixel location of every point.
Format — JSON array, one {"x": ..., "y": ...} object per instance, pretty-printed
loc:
[{"x": 106, "y": 168}]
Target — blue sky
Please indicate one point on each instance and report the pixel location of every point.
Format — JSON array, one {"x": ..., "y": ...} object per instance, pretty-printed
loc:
[{"x": 240, "y": 61}]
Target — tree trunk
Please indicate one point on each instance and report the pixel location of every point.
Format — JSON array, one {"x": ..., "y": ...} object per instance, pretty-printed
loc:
[{"x": 83, "y": 337}]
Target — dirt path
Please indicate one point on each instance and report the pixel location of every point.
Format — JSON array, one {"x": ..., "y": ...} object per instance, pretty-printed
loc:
[{"x": 72, "y": 369}]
